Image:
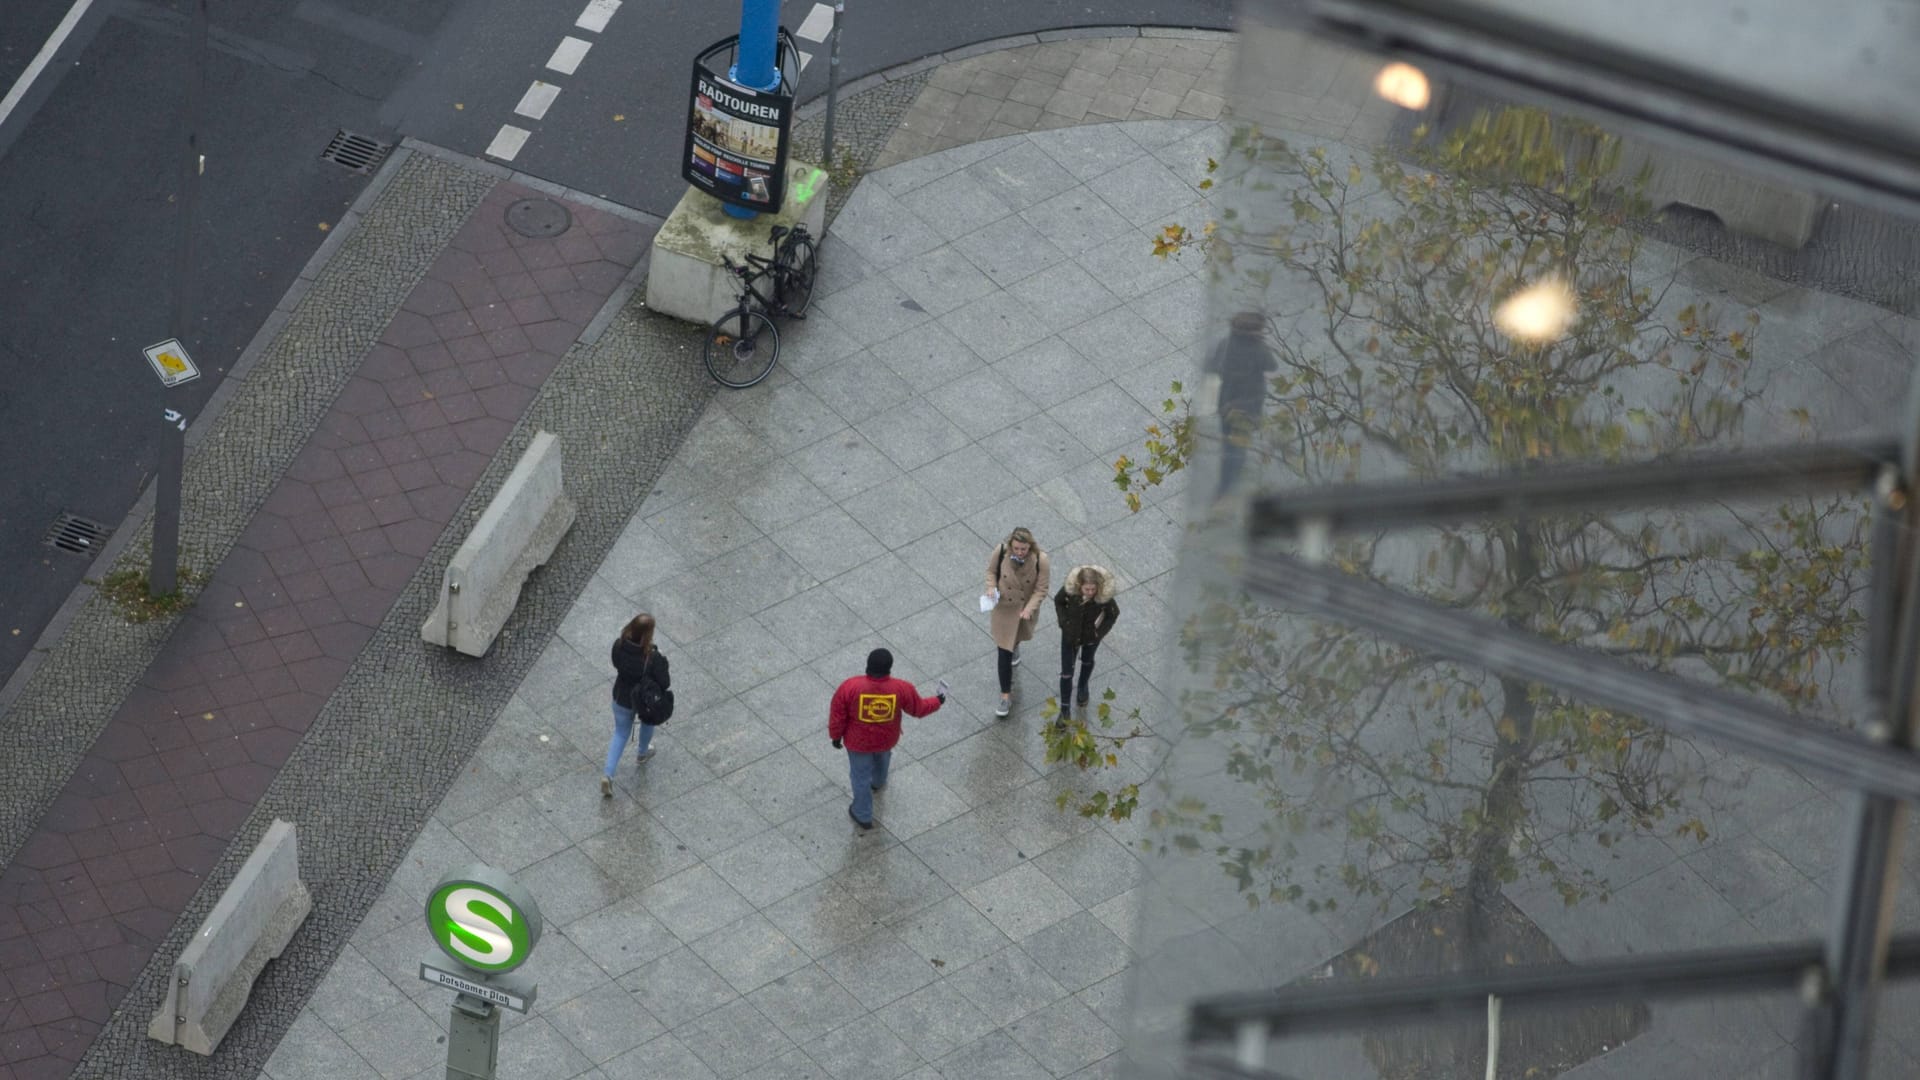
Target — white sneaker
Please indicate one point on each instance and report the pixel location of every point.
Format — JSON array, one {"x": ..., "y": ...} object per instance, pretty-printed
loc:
[
  {"x": 1005, "y": 706},
  {"x": 1016, "y": 656},
  {"x": 643, "y": 755}
]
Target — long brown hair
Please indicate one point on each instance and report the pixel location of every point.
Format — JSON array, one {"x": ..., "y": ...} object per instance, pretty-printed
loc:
[{"x": 640, "y": 631}]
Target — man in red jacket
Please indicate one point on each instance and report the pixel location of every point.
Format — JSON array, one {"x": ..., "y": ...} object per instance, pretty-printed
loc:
[{"x": 865, "y": 715}]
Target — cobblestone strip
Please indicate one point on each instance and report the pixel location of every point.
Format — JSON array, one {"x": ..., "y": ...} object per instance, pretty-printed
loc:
[
  {"x": 280, "y": 399},
  {"x": 386, "y": 746}
]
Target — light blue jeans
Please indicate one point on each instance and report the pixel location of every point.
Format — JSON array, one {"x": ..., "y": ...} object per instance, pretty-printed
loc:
[
  {"x": 867, "y": 771},
  {"x": 622, "y": 731}
]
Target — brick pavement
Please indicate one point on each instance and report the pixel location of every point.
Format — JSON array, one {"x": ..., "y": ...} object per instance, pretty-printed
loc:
[{"x": 154, "y": 804}]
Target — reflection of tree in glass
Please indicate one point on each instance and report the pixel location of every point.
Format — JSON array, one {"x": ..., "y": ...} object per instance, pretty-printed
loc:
[{"x": 1435, "y": 783}]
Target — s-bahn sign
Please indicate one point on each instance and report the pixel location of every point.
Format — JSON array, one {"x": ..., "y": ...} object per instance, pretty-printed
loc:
[{"x": 483, "y": 920}]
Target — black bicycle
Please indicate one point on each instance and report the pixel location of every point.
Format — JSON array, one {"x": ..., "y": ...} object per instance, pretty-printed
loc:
[{"x": 744, "y": 343}]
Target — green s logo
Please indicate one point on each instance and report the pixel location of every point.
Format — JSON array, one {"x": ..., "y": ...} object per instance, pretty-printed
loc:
[{"x": 483, "y": 919}]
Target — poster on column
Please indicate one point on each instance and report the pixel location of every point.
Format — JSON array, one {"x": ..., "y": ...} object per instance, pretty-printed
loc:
[{"x": 737, "y": 141}]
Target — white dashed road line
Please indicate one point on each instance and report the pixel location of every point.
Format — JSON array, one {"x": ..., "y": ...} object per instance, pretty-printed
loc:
[
  {"x": 506, "y": 145},
  {"x": 818, "y": 23},
  {"x": 594, "y": 19},
  {"x": 815, "y": 27},
  {"x": 566, "y": 58},
  {"x": 537, "y": 100}
]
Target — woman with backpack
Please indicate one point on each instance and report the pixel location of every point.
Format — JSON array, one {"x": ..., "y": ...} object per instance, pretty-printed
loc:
[{"x": 640, "y": 690}]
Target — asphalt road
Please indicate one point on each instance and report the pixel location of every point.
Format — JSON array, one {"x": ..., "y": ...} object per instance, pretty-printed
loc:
[
  {"x": 616, "y": 129},
  {"x": 88, "y": 171}
]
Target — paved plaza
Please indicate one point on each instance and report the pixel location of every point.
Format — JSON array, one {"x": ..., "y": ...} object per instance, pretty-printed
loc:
[{"x": 989, "y": 333}]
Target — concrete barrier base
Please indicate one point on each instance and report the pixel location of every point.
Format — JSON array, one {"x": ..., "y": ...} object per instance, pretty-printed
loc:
[
  {"x": 685, "y": 278},
  {"x": 251, "y": 925}
]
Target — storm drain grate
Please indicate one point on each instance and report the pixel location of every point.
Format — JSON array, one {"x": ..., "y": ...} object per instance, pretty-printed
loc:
[
  {"x": 71, "y": 532},
  {"x": 356, "y": 152}
]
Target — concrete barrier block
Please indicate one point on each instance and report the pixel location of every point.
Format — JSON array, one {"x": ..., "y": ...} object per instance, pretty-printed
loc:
[
  {"x": 518, "y": 532},
  {"x": 1773, "y": 212},
  {"x": 685, "y": 277},
  {"x": 251, "y": 924},
  {"x": 1745, "y": 205}
]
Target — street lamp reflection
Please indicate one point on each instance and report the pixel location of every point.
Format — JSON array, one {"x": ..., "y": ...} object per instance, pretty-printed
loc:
[
  {"x": 1404, "y": 85},
  {"x": 1538, "y": 313}
]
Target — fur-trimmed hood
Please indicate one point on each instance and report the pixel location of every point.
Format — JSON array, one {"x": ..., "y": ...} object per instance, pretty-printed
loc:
[{"x": 1077, "y": 575}]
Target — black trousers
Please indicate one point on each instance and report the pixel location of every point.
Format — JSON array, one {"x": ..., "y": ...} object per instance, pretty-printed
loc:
[
  {"x": 1067, "y": 652},
  {"x": 1006, "y": 669}
]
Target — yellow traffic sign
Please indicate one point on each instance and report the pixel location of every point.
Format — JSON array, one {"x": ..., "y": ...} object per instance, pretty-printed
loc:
[{"x": 171, "y": 362}]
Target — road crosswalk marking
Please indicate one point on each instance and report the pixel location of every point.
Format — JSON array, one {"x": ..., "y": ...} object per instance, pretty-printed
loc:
[
  {"x": 594, "y": 18},
  {"x": 567, "y": 56},
  {"x": 537, "y": 100},
  {"x": 506, "y": 145},
  {"x": 815, "y": 27},
  {"x": 818, "y": 23}
]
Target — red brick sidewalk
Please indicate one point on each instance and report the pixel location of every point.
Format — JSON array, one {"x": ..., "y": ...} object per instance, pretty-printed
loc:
[{"x": 155, "y": 804}]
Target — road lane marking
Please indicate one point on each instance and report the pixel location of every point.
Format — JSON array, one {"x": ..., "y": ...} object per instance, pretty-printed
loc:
[
  {"x": 804, "y": 57},
  {"x": 566, "y": 58},
  {"x": 506, "y": 145},
  {"x": 537, "y": 100},
  {"x": 45, "y": 56},
  {"x": 818, "y": 23},
  {"x": 594, "y": 18}
]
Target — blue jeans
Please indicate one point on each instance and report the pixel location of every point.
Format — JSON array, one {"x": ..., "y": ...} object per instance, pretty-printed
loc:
[
  {"x": 867, "y": 771},
  {"x": 622, "y": 730}
]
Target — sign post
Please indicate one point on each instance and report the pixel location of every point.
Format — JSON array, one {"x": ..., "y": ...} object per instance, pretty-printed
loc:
[
  {"x": 170, "y": 361},
  {"x": 833, "y": 85},
  {"x": 169, "y": 358},
  {"x": 487, "y": 925}
]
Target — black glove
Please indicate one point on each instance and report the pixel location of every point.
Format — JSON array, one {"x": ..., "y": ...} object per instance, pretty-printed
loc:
[
  {"x": 942, "y": 697},
  {"x": 836, "y": 744}
]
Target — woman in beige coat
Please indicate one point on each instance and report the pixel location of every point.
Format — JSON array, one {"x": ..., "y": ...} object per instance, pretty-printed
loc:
[{"x": 1017, "y": 580}]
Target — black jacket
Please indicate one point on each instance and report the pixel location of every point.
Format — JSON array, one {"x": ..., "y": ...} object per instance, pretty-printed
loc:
[
  {"x": 629, "y": 660},
  {"x": 1084, "y": 622}
]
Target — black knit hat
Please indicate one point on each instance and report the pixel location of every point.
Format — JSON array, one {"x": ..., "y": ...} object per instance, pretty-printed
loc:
[{"x": 879, "y": 663}]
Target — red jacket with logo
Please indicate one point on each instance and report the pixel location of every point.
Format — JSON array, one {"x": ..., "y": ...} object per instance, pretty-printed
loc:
[{"x": 866, "y": 712}]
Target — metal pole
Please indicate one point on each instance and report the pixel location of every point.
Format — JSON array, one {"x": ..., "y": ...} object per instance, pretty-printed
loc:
[
  {"x": 163, "y": 574},
  {"x": 756, "y": 64},
  {"x": 833, "y": 84},
  {"x": 473, "y": 1040},
  {"x": 1863, "y": 916}
]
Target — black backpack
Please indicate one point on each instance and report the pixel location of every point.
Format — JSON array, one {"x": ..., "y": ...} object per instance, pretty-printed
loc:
[{"x": 651, "y": 704}]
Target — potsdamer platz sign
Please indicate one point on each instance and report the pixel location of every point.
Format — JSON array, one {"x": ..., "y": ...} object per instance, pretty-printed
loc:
[{"x": 1538, "y": 695}]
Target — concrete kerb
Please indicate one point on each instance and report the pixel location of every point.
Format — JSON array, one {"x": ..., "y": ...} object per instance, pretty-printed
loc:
[
  {"x": 818, "y": 103},
  {"x": 203, "y": 424}
]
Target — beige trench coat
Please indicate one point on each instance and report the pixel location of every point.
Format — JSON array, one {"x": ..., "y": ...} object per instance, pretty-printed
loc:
[{"x": 1023, "y": 588}]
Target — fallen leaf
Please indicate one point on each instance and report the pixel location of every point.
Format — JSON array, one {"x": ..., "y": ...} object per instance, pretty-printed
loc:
[
  {"x": 458, "y": 105},
  {"x": 324, "y": 226},
  {"x": 619, "y": 116}
]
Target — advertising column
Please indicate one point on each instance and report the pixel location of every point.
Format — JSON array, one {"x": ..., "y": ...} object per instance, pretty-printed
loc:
[{"x": 736, "y": 148}]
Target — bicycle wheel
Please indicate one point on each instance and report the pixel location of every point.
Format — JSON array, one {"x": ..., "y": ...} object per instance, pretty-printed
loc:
[
  {"x": 794, "y": 282},
  {"x": 741, "y": 348}
]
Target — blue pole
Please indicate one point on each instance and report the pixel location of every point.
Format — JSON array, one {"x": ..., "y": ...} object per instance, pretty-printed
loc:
[{"x": 753, "y": 65}]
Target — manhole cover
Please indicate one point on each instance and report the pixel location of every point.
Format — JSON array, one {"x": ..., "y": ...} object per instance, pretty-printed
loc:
[
  {"x": 71, "y": 532},
  {"x": 538, "y": 218}
]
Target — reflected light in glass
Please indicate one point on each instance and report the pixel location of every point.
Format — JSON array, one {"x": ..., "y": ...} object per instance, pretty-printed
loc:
[
  {"x": 1404, "y": 85},
  {"x": 1538, "y": 313}
]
